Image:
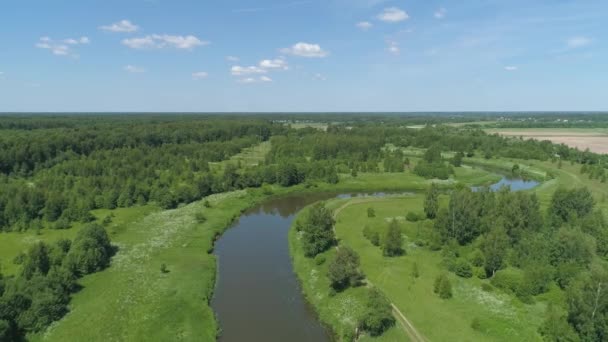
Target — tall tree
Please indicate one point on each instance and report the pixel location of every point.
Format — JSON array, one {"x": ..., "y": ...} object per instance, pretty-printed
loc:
[
  {"x": 344, "y": 269},
  {"x": 495, "y": 247},
  {"x": 393, "y": 241},
  {"x": 318, "y": 233},
  {"x": 431, "y": 202}
]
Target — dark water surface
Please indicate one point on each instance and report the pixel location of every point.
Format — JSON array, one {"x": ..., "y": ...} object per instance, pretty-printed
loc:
[
  {"x": 516, "y": 184},
  {"x": 258, "y": 296}
]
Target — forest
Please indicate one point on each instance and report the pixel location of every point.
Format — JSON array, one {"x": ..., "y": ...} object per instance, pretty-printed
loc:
[{"x": 58, "y": 172}]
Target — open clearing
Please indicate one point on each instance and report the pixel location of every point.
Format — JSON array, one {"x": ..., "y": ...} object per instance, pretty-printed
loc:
[{"x": 596, "y": 140}]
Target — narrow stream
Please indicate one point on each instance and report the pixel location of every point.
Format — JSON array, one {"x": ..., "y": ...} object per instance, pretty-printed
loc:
[{"x": 258, "y": 296}]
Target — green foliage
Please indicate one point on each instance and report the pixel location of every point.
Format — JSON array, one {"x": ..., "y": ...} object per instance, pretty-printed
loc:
[
  {"x": 378, "y": 316},
  {"x": 431, "y": 202},
  {"x": 318, "y": 234},
  {"x": 200, "y": 217},
  {"x": 372, "y": 235},
  {"x": 37, "y": 261},
  {"x": 320, "y": 260},
  {"x": 392, "y": 244},
  {"x": 477, "y": 259},
  {"x": 163, "y": 268},
  {"x": 443, "y": 287},
  {"x": 567, "y": 204},
  {"x": 587, "y": 300},
  {"x": 494, "y": 249},
  {"x": 457, "y": 159},
  {"x": 415, "y": 270},
  {"x": 538, "y": 276},
  {"x": 371, "y": 212},
  {"x": 343, "y": 271},
  {"x": 413, "y": 217},
  {"x": 508, "y": 280},
  {"x": 555, "y": 327},
  {"x": 463, "y": 269},
  {"x": 91, "y": 250}
]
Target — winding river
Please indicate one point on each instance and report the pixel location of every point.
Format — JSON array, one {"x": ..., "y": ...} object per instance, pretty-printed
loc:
[{"x": 257, "y": 295}]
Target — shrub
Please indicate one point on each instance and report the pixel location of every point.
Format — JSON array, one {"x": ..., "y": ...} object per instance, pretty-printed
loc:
[
  {"x": 107, "y": 220},
  {"x": 207, "y": 204},
  {"x": 320, "y": 259},
  {"x": 412, "y": 217},
  {"x": 443, "y": 287},
  {"x": 463, "y": 269},
  {"x": 477, "y": 258},
  {"x": 371, "y": 212},
  {"x": 344, "y": 269},
  {"x": 378, "y": 316},
  {"x": 487, "y": 287},
  {"x": 476, "y": 324},
  {"x": 90, "y": 251},
  {"x": 163, "y": 268},
  {"x": 415, "y": 270},
  {"x": 481, "y": 273},
  {"x": 62, "y": 223},
  {"x": 393, "y": 241},
  {"x": 372, "y": 235},
  {"x": 507, "y": 280},
  {"x": 200, "y": 217}
]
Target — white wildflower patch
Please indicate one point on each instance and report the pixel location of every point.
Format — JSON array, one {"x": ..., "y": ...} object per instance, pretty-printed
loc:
[
  {"x": 495, "y": 303},
  {"x": 396, "y": 218}
]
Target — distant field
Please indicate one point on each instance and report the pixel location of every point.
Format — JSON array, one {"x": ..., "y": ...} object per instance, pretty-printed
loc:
[
  {"x": 317, "y": 125},
  {"x": 595, "y": 139}
]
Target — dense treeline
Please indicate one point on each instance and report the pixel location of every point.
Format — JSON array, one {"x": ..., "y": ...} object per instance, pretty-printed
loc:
[
  {"x": 55, "y": 170},
  {"x": 40, "y": 293},
  {"x": 57, "y": 175}
]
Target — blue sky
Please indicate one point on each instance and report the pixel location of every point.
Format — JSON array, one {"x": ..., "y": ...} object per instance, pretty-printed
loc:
[{"x": 306, "y": 55}]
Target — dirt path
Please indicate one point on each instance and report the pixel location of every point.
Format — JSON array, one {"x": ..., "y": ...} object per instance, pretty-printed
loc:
[{"x": 405, "y": 323}]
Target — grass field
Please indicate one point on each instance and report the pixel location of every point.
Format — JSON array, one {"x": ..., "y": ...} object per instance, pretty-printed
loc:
[
  {"x": 501, "y": 317},
  {"x": 595, "y": 139},
  {"x": 251, "y": 156}
]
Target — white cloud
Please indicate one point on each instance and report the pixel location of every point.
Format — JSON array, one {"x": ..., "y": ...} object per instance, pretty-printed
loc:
[
  {"x": 511, "y": 68},
  {"x": 238, "y": 70},
  {"x": 134, "y": 69},
  {"x": 365, "y": 25},
  {"x": 199, "y": 75},
  {"x": 278, "y": 63},
  {"x": 306, "y": 50},
  {"x": 393, "y": 15},
  {"x": 578, "y": 42},
  {"x": 319, "y": 77},
  {"x": 440, "y": 13},
  {"x": 247, "y": 80},
  {"x": 393, "y": 47},
  {"x": 232, "y": 59},
  {"x": 261, "y": 79},
  {"x": 160, "y": 41},
  {"x": 121, "y": 26},
  {"x": 61, "y": 47},
  {"x": 265, "y": 79}
]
